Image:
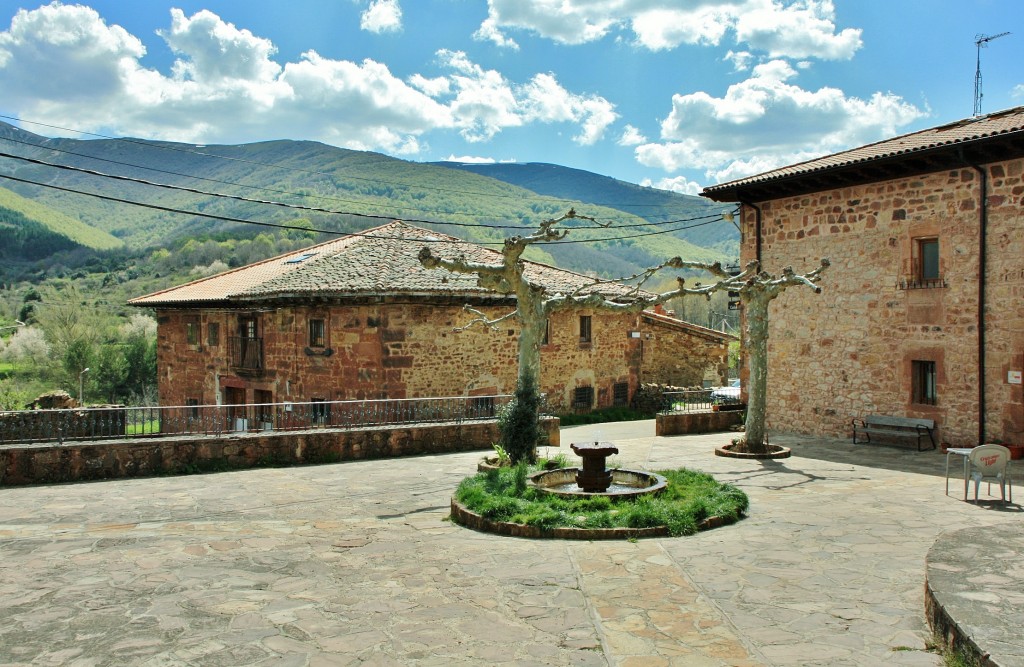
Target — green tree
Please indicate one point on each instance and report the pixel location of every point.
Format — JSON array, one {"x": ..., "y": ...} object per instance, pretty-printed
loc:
[
  {"x": 78, "y": 355},
  {"x": 110, "y": 375}
]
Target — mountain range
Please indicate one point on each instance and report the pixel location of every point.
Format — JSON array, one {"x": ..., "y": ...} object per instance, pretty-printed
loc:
[{"x": 103, "y": 194}]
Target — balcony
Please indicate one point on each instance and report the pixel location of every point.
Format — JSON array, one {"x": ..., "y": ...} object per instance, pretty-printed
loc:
[{"x": 246, "y": 354}]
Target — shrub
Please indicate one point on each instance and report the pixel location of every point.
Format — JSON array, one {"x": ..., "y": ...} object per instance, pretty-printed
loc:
[{"x": 518, "y": 422}]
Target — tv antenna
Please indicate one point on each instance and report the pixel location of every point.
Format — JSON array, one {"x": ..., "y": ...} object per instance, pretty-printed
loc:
[{"x": 980, "y": 41}]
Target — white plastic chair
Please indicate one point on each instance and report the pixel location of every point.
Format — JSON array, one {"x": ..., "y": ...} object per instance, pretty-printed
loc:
[{"x": 990, "y": 462}]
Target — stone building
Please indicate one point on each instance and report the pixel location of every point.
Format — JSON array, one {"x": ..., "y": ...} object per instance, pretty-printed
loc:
[
  {"x": 359, "y": 318},
  {"x": 922, "y": 313}
]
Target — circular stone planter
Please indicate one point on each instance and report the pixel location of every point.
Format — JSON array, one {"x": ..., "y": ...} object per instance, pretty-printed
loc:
[
  {"x": 774, "y": 452},
  {"x": 626, "y": 483},
  {"x": 464, "y": 516}
]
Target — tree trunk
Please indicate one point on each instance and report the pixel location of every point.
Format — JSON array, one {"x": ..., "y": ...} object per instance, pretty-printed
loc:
[
  {"x": 756, "y": 332},
  {"x": 533, "y": 323}
]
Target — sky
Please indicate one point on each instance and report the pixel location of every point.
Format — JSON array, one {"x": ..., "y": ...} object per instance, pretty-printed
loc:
[{"x": 674, "y": 94}]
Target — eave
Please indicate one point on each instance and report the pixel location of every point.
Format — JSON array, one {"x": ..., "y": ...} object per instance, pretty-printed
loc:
[{"x": 983, "y": 151}]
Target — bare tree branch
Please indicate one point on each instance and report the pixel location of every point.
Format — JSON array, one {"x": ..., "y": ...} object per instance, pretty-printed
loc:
[{"x": 482, "y": 319}]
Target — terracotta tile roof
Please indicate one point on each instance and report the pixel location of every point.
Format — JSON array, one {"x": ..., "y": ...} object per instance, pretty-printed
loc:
[
  {"x": 961, "y": 132},
  {"x": 665, "y": 320},
  {"x": 379, "y": 261}
]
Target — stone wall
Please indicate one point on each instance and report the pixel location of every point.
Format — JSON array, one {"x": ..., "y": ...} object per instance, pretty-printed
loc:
[
  {"x": 677, "y": 353},
  {"x": 394, "y": 350},
  {"x": 848, "y": 352},
  {"x": 110, "y": 459},
  {"x": 685, "y": 423}
]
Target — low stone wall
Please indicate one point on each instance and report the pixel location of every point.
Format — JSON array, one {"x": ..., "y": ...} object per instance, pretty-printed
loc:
[
  {"x": 142, "y": 457},
  {"x": 683, "y": 423}
]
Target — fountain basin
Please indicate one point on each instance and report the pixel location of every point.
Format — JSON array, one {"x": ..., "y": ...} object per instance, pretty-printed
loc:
[{"x": 625, "y": 483}]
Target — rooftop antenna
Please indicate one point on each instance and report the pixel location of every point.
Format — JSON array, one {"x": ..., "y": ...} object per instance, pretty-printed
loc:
[{"x": 980, "y": 41}]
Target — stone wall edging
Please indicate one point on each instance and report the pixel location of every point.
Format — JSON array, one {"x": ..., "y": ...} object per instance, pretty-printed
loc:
[{"x": 145, "y": 457}]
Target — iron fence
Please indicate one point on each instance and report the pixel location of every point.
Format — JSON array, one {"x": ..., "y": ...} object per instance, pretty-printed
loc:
[
  {"x": 25, "y": 426},
  {"x": 702, "y": 400}
]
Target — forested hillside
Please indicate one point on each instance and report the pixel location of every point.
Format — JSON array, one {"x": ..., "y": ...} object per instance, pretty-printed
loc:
[{"x": 647, "y": 203}]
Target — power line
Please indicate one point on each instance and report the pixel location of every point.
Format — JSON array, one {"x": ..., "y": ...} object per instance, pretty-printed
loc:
[
  {"x": 223, "y": 218},
  {"x": 302, "y": 207}
]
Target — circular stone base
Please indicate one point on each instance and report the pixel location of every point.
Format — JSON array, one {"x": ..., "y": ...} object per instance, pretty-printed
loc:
[
  {"x": 636, "y": 483},
  {"x": 470, "y": 519},
  {"x": 774, "y": 452}
]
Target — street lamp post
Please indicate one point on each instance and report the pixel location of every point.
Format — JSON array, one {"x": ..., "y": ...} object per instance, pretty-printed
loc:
[{"x": 81, "y": 384}]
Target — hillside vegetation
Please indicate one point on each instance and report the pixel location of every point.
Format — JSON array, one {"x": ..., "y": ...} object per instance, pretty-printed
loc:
[{"x": 34, "y": 231}]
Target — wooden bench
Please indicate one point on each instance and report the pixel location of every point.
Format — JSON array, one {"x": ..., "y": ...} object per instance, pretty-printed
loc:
[{"x": 894, "y": 427}]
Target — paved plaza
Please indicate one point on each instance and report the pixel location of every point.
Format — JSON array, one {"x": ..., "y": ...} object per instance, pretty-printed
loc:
[{"x": 355, "y": 564}]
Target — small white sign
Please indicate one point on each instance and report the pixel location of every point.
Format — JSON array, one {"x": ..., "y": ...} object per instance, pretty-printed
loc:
[{"x": 1013, "y": 377}]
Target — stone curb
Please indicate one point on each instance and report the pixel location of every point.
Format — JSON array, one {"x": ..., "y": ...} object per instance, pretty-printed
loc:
[{"x": 463, "y": 516}]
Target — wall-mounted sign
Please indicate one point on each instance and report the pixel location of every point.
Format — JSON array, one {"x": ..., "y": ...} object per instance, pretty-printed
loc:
[{"x": 1013, "y": 377}]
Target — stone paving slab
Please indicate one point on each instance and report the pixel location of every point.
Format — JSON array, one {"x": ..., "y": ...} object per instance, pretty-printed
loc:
[{"x": 355, "y": 564}]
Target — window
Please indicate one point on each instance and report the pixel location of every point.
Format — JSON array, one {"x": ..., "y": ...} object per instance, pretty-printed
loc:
[
  {"x": 923, "y": 382},
  {"x": 213, "y": 334},
  {"x": 620, "y": 394},
  {"x": 928, "y": 259},
  {"x": 247, "y": 327},
  {"x": 192, "y": 332},
  {"x": 316, "y": 333},
  {"x": 547, "y": 333},
  {"x": 193, "y": 408},
  {"x": 585, "y": 336},
  {"x": 583, "y": 398}
]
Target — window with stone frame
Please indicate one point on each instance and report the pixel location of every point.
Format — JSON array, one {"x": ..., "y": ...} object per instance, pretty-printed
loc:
[
  {"x": 192, "y": 332},
  {"x": 583, "y": 398},
  {"x": 585, "y": 329},
  {"x": 547, "y": 333},
  {"x": 213, "y": 334},
  {"x": 923, "y": 382},
  {"x": 925, "y": 264},
  {"x": 317, "y": 333}
]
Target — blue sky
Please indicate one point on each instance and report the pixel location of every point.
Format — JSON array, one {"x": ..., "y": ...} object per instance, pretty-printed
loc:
[{"x": 671, "y": 93}]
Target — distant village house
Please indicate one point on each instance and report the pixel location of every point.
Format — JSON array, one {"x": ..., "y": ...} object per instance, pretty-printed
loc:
[{"x": 359, "y": 318}]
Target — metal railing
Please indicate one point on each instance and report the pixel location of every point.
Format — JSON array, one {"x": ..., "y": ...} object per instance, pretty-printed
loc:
[
  {"x": 25, "y": 426},
  {"x": 700, "y": 400}
]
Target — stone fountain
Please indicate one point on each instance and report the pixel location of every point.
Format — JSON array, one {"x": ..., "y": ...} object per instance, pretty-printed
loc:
[{"x": 593, "y": 479}]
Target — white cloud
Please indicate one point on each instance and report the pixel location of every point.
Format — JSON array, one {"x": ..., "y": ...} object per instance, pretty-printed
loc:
[
  {"x": 631, "y": 137},
  {"x": 62, "y": 64},
  {"x": 72, "y": 53},
  {"x": 766, "y": 121},
  {"x": 382, "y": 16},
  {"x": 469, "y": 159},
  {"x": 1018, "y": 91},
  {"x": 678, "y": 184},
  {"x": 489, "y": 32},
  {"x": 215, "y": 51},
  {"x": 779, "y": 28},
  {"x": 486, "y": 102},
  {"x": 802, "y": 30},
  {"x": 740, "y": 60}
]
